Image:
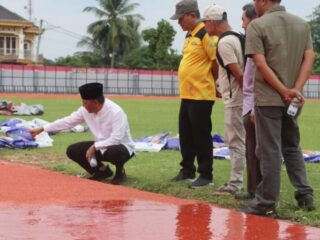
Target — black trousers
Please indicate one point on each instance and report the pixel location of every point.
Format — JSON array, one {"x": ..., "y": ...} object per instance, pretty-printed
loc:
[
  {"x": 253, "y": 164},
  {"x": 195, "y": 136},
  {"x": 116, "y": 154}
]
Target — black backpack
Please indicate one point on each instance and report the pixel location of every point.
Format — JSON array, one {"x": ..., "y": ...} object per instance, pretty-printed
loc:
[{"x": 242, "y": 39}]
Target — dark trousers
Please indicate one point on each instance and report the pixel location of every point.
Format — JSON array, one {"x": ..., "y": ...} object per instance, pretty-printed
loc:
[
  {"x": 116, "y": 154},
  {"x": 253, "y": 164},
  {"x": 195, "y": 136},
  {"x": 278, "y": 138}
]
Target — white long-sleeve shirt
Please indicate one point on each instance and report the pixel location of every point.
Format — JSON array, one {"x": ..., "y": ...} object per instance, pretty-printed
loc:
[{"x": 109, "y": 126}]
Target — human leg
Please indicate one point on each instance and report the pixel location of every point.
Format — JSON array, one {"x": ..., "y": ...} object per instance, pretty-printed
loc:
[
  {"x": 235, "y": 135},
  {"x": 253, "y": 165},
  {"x": 186, "y": 145},
  {"x": 294, "y": 162},
  {"x": 201, "y": 126},
  {"x": 77, "y": 153},
  {"x": 268, "y": 150},
  {"x": 117, "y": 155}
]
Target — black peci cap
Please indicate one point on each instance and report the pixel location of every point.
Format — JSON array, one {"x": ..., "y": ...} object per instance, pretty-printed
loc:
[{"x": 91, "y": 91}]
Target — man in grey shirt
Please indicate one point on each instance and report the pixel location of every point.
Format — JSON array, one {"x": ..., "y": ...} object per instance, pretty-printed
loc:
[{"x": 281, "y": 47}]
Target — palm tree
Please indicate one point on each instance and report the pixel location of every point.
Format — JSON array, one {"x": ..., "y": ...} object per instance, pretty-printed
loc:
[
  {"x": 116, "y": 31},
  {"x": 95, "y": 49}
]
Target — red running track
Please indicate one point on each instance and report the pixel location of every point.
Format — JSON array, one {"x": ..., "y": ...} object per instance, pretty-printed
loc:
[{"x": 41, "y": 204}]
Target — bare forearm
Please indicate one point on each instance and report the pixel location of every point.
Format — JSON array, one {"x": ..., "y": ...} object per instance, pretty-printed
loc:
[
  {"x": 215, "y": 69},
  {"x": 237, "y": 72},
  {"x": 305, "y": 70},
  {"x": 268, "y": 75},
  {"x": 239, "y": 79},
  {"x": 272, "y": 79}
]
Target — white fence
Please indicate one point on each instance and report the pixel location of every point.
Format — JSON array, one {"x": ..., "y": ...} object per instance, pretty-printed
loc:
[
  {"x": 48, "y": 79},
  {"x": 67, "y": 80}
]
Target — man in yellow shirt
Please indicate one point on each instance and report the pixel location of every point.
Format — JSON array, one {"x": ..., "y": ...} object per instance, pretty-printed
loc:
[{"x": 197, "y": 94}]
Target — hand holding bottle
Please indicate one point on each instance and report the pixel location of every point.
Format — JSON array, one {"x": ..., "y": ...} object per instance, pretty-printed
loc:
[{"x": 294, "y": 107}]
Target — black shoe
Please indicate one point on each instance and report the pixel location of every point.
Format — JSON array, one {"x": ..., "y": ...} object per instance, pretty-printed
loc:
[
  {"x": 269, "y": 213},
  {"x": 100, "y": 175},
  {"x": 306, "y": 202},
  {"x": 119, "y": 178},
  {"x": 183, "y": 176},
  {"x": 244, "y": 196},
  {"x": 200, "y": 182}
]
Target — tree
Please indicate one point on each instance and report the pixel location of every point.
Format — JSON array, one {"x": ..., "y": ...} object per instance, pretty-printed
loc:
[
  {"x": 116, "y": 31},
  {"x": 315, "y": 28},
  {"x": 96, "y": 51},
  {"x": 316, "y": 65},
  {"x": 139, "y": 58},
  {"x": 159, "y": 43},
  {"x": 157, "y": 54},
  {"x": 79, "y": 59}
]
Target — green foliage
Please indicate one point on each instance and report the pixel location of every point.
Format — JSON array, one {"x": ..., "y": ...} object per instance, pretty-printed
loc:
[
  {"x": 114, "y": 41},
  {"x": 158, "y": 53},
  {"x": 153, "y": 171},
  {"x": 159, "y": 43},
  {"x": 174, "y": 60},
  {"x": 115, "y": 33},
  {"x": 81, "y": 59},
  {"x": 316, "y": 65},
  {"x": 315, "y": 28},
  {"x": 49, "y": 62},
  {"x": 72, "y": 61},
  {"x": 138, "y": 58},
  {"x": 97, "y": 55}
]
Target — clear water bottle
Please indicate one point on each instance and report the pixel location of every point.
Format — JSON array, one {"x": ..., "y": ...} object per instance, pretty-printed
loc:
[
  {"x": 293, "y": 107},
  {"x": 93, "y": 161}
]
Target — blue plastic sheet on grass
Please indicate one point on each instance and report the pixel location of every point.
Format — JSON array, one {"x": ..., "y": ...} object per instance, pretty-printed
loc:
[
  {"x": 311, "y": 156},
  {"x": 163, "y": 141}
]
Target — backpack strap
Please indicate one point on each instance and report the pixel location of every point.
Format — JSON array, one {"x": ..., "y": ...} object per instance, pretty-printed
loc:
[{"x": 241, "y": 38}]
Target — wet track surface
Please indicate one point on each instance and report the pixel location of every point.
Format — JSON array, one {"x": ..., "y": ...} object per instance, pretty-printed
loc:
[{"x": 41, "y": 204}]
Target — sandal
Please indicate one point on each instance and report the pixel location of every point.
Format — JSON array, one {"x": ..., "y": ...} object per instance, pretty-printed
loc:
[{"x": 225, "y": 190}]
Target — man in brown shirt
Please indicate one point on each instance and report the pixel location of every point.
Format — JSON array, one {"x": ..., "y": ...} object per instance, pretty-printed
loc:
[{"x": 281, "y": 46}]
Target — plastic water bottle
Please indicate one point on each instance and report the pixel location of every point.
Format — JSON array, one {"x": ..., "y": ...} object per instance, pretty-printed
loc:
[
  {"x": 93, "y": 161},
  {"x": 293, "y": 107}
]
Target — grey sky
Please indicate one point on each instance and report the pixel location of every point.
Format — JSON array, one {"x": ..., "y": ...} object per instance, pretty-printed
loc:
[{"x": 63, "y": 18}]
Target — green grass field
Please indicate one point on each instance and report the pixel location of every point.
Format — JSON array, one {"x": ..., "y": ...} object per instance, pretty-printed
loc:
[{"x": 153, "y": 171}]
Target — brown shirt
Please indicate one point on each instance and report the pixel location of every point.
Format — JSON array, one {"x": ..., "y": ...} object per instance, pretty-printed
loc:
[{"x": 283, "y": 39}]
